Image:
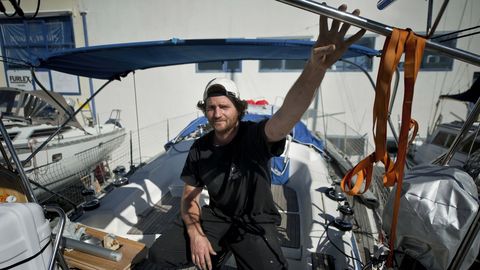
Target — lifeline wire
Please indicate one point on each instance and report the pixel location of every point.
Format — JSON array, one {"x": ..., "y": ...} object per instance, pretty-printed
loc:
[{"x": 136, "y": 113}]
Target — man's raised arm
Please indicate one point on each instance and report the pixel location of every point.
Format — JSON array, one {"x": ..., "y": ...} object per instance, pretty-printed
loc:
[{"x": 329, "y": 47}]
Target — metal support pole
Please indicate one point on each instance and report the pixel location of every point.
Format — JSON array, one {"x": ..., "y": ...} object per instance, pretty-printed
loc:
[
  {"x": 58, "y": 237},
  {"x": 18, "y": 164},
  {"x": 466, "y": 243},
  {"x": 437, "y": 20},
  {"x": 472, "y": 117},
  {"x": 378, "y": 28},
  {"x": 429, "y": 15},
  {"x": 90, "y": 81},
  {"x": 37, "y": 81}
]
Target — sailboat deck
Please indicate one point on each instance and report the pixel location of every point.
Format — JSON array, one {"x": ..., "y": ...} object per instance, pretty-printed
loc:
[{"x": 157, "y": 218}]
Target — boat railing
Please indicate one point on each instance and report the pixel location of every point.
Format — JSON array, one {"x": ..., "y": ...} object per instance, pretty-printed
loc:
[
  {"x": 148, "y": 142},
  {"x": 352, "y": 145},
  {"x": 58, "y": 237}
]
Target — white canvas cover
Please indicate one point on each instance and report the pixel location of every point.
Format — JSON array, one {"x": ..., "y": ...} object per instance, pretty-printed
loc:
[{"x": 437, "y": 207}]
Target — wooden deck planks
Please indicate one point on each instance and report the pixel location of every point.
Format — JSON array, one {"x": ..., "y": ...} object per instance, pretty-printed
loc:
[{"x": 157, "y": 218}]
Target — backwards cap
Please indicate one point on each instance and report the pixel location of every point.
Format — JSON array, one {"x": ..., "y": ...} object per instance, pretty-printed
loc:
[{"x": 221, "y": 87}]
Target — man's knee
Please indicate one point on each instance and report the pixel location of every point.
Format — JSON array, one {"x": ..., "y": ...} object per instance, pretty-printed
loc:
[{"x": 162, "y": 256}]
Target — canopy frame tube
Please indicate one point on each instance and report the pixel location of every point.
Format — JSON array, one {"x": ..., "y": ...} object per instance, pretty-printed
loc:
[{"x": 378, "y": 28}]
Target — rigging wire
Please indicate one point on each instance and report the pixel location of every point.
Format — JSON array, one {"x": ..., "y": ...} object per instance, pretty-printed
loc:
[
  {"x": 459, "y": 73},
  {"x": 459, "y": 37},
  {"x": 339, "y": 249},
  {"x": 440, "y": 104},
  {"x": 464, "y": 69},
  {"x": 136, "y": 113},
  {"x": 323, "y": 118},
  {"x": 455, "y": 32},
  {"x": 473, "y": 142}
]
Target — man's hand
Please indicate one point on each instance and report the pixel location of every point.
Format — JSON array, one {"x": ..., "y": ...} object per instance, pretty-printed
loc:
[
  {"x": 201, "y": 250},
  {"x": 331, "y": 44},
  {"x": 200, "y": 247}
]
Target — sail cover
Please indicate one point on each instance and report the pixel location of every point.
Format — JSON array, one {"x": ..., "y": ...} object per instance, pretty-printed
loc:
[
  {"x": 437, "y": 208},
  {"x": 117, "y": 60}
]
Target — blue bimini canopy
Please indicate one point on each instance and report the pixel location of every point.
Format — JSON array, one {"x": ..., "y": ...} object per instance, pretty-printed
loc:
[{"x": 115, "y": 61}]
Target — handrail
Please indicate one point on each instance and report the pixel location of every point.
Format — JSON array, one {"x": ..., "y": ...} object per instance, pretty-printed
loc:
[
  {"x": 18, "y": 164},
  {"x": 378, "y": 28},
  {"x": 456, "y": 144},
  {"x": 58, "y": 236}
]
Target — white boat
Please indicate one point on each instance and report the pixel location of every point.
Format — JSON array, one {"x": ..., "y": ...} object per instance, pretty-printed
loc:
[
  {"x": 31, "y": 117},
  {"x": 302, "y": 178},
  {"x": 314, "y": 232},
  {"x": 440, "y": 141},
  {"x": 444, "y": 134}
]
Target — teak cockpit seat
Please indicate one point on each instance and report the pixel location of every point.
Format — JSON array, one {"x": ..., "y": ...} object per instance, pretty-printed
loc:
[{"x": 11, "y": 189}]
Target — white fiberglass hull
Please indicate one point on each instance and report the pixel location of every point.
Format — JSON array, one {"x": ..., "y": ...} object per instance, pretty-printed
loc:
[{"x": 68, "y": 158}]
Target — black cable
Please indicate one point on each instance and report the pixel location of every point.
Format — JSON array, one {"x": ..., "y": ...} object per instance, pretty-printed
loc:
[
  {"x": 17, "y": 8},
  {"x": 341, "y": 251},
  {"x": 36, "y": 11},
  {"x": 459, "y": 37},
  {"x": 5, "y": 12},
  {"x": 29, "y": 258},
  {"x": 369, "y": 263},
  {"x": 455, "y": 32}
]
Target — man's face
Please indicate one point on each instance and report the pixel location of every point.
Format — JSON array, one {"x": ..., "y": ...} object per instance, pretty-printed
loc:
[{"x": 221, "y": 114}]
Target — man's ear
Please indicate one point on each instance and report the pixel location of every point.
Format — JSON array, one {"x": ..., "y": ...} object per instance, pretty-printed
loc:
[{"x": 201, "y": 106}]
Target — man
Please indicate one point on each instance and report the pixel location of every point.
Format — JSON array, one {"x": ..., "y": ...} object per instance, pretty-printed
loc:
[{"x": 232, "y": 163}]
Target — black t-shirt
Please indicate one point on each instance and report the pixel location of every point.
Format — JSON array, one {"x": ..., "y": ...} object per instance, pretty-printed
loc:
[{"x": 237, "y": 175}]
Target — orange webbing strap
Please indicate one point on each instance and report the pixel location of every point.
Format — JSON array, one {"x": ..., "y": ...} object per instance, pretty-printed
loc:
[
  {"x": 398, "y": 42},
  {"x": 413, "y": 59},
  {"x": 392, "y": 52}
]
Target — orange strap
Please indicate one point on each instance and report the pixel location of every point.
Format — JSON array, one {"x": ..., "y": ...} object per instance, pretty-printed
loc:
[
  {"x": 398, "y": 42},
  {"x": 413, "y": 59}
]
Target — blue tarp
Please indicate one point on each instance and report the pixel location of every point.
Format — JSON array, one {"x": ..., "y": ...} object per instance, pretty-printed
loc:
[
  {"x": 300, "y": 133},
  {"x": 280, "y": 166},
  {"x": 117, "y": 60}
]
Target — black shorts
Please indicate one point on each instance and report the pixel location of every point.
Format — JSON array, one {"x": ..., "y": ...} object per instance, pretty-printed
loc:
[{"x": 254, "y": 246}]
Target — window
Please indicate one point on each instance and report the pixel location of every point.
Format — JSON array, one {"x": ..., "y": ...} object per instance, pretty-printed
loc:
[
  {"x": 434, "y": 61},
  {"x": 283, "y": 65},
  {"x": 363, "y": 61},
  {"x": 476, "y": 75},
  {"x": 22, "y": 40},
  {"x": 220, "y": 66},
  {"x": 443, "y": 139}
]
